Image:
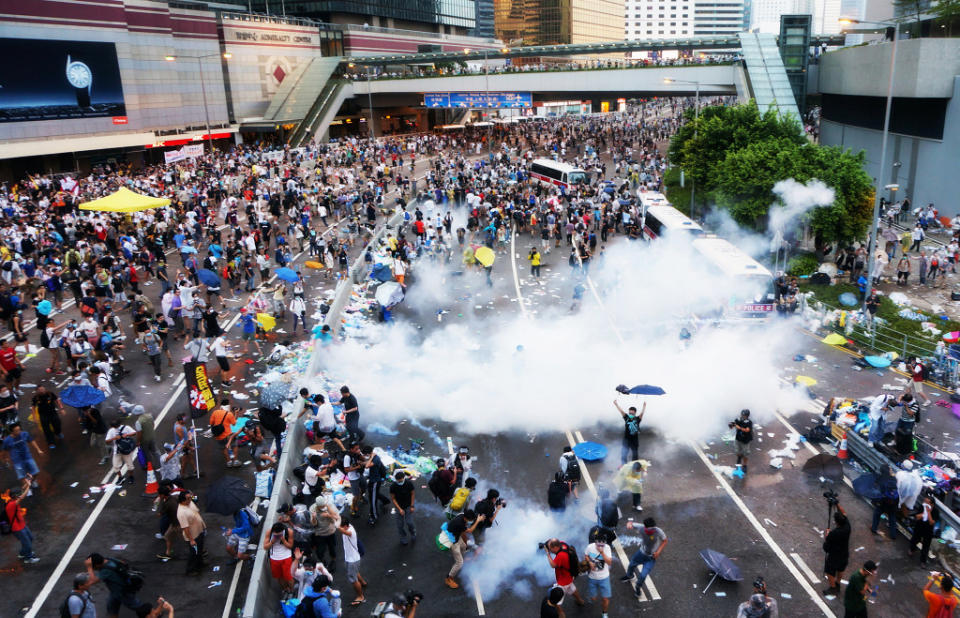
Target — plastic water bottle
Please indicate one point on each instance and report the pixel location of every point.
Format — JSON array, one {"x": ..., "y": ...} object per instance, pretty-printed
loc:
[{"x": 335, "y": 602}]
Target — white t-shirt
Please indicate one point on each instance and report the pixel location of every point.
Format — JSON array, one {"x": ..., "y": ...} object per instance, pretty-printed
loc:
[
  {"x": 599, "y": 569},
  {"x": 351, "y": 550},
  {"x": 218, "y": 347},
  {"x": 353, "y": 475},
  {"x": 325, "y": 418},
  {"x": 123, "y": 430}
]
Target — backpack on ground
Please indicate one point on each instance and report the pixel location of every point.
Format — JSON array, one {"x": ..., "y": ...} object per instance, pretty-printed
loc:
[
  {"x": 65, "y": 606},
  {"x": 557, "y": 494},
  {"x": 459, "y": 500},
  {"x": 573, "y": 473}
]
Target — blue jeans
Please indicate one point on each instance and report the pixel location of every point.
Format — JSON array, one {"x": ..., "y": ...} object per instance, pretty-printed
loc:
[
  {"x": 877, "y": 429},
  {"x": 404, "y": 523},
  {"x": 26, "y": 542},
  {"x": 303, "y": 321},
  {"x": 25, "y": 467},
  {"x": 641, "y": 558}
]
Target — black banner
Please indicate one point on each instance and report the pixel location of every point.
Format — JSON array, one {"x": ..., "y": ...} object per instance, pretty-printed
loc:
[
  {"x": 199, "y": 394},
  {"x": 56, "y": 80}
]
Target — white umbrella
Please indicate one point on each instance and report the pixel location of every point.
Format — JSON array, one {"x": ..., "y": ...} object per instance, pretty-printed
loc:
[{"x": 389, "y": 293}]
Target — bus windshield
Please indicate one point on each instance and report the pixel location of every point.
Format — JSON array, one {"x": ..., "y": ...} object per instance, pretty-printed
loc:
[{"x": 577, "y": 177}]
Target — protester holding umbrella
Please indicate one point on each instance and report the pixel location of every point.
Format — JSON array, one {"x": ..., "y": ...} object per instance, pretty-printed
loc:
[{"x": 836, "y": 543}]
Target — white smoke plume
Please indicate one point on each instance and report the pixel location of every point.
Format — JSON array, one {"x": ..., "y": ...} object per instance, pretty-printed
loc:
[{"x": 798, "y": 199}]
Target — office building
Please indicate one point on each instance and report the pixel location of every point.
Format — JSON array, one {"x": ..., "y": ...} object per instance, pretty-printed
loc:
[
  {"x": 549, "y": 22},
  {"x": 719, "y": 17},
  {"x": 656, "y": 19},
  {"x": 443, "y": 16},
  {"x": 825, "y": 14},
  {"x": 485, "y": 25}
]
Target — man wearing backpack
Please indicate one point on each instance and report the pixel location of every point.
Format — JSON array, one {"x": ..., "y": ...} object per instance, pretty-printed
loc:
[
  {"x": 79, "y": 604},
  {"x": 563, "y": 558},
  {"x": 630, "y": 449},
  {"x": 116, "y": 576},
  {"x": 123, "y": 439},
  {"x": 442, "y": 482},
  {"x": 570, "y": 468},
  {"x": 315, "y": 602}
]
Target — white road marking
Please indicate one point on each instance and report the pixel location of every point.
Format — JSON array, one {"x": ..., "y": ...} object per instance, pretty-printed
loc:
[
  {"x": 722, "y": 481},
  {"x": 803, "y": 567},
  {"x": 516, "y": 277},
  {"x": 41, "y": 598}
]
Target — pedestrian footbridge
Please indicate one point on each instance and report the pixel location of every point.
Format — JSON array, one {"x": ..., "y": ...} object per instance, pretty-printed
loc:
[{"x": 313, "y": 96}]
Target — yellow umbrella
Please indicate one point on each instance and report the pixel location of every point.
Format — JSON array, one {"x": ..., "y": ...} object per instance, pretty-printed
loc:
[
  {"x": 125, "y": 200},
  {"x": 266, "y": 321},
  {"x": 834, "y": 339},
  {"x": 485, "y": 256},
  {"x": 805, "y": 380}
]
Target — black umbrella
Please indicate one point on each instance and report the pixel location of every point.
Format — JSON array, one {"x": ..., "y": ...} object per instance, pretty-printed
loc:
[
  {"x": 867, "y": 485},
  {"x": 273, "y": 395},
  {"x": 228, "y": 495},
  {"x": 824, "y": 465},
  {"x": 721, "y": 567}
]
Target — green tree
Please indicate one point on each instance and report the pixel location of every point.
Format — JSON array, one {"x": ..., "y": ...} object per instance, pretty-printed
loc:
[
  {"x": 746, "y": 177},
  {"x": 701, "y": 145},
  {"x": 947, "y": 12}
]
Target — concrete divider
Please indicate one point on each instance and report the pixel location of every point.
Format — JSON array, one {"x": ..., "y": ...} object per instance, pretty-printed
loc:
[{"x": 263, "y": 593}]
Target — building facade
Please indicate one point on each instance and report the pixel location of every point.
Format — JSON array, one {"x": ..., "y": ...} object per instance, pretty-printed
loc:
[
  {"x": 485, "y": 27},
  {"x": 444, "y": 16},
  {"x": 924, "y": 143},
  {"x": 558, "y": 22},
  {"x": 718, "y": 17}
]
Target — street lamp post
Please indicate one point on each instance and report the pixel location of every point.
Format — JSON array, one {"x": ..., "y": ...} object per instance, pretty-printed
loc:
[
  {"x": 875, "y": 224},
  {"x": 696, "y": 118},
  {"x": 203, "y": 85}
]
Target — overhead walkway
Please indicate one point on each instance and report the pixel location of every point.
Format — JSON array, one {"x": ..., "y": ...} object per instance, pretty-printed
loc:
[
  {"x": 297, "y": 93},
  {"x": 767, "y": 79}
]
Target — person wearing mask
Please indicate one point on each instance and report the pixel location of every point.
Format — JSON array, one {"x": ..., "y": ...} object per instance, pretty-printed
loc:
[
  {"x": 652, "y": 542},
  {"x": 404, "y": 501},
  {"x": 489, "y": 507},
  {"x": 744, "y": 428},
  {"x": 942, "y": 602},
  {"x": 600, "y": 558},
  {"x": 280, "y": 545},
  {"x": 352, "y": 557},
  {"x": 836, "y": 544},
  {"x": 351, "y": 414},
  {"x": 630, "y": 449},
  {"x": 376, "y": 475},
  {"x": 459, "y": 527}
]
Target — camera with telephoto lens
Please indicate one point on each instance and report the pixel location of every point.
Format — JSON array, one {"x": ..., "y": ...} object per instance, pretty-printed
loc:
[
  {"x": 500, "y": 502},
  {"x": 413, "y": 596},
  {"x": 541, "y": 545},
  {"x": 832, "y": 498}
]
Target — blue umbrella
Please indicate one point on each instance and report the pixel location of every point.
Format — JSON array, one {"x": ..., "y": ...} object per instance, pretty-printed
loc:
[
  {"x": 641, "y": 389},
  {"x": 208, "y": 277},
  {"x": 287, "y": 274},
  {"x": 81, "y": 396},
  {"x": 877, "y": 361},
  {"x": 868, "y": 486},
  {"x": 44, "y": 307},
  {"x": 721, "y": 567},
  {"x": 590, "y": 451}
]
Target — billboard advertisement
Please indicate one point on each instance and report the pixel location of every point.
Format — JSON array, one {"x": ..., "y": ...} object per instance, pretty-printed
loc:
[
  {"x": 471, "y": 100},
  {"x": 58, "y": 80}
]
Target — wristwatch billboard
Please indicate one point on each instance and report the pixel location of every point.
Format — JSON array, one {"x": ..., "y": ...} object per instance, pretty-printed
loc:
[{"x": 81, "y": 78}]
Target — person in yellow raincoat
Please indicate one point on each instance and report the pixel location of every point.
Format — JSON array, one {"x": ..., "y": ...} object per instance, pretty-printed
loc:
[
  {"x": 630, "y": 478},
  {"x": 469, "y": 259}
]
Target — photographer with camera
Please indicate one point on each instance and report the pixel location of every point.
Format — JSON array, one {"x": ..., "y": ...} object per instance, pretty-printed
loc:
[
  {"x": 744, "y": 427},
  {"x": 566, "y": 567},
  {"x": 489, "y": 508},
  {"x": 403, "y": 605},
  {"x": 836, "y": 543},
  {"x": 760, "y": 604}
]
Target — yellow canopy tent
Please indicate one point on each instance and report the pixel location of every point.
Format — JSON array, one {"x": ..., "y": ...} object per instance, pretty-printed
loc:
[{"x": 125, "y": 200}]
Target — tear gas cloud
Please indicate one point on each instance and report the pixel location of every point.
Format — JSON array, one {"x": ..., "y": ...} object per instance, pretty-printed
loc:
[{"x": 473, "y": 372}]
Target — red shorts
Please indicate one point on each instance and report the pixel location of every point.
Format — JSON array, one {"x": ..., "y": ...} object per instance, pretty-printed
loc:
[{"x": 280, "y": 569}]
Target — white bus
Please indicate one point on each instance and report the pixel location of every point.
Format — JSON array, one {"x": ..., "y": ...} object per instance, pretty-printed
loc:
[
  {"x": 752, "y": 283},
  {"x": 560, "y": 174},
  {"x": 666, "y": 220}
]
